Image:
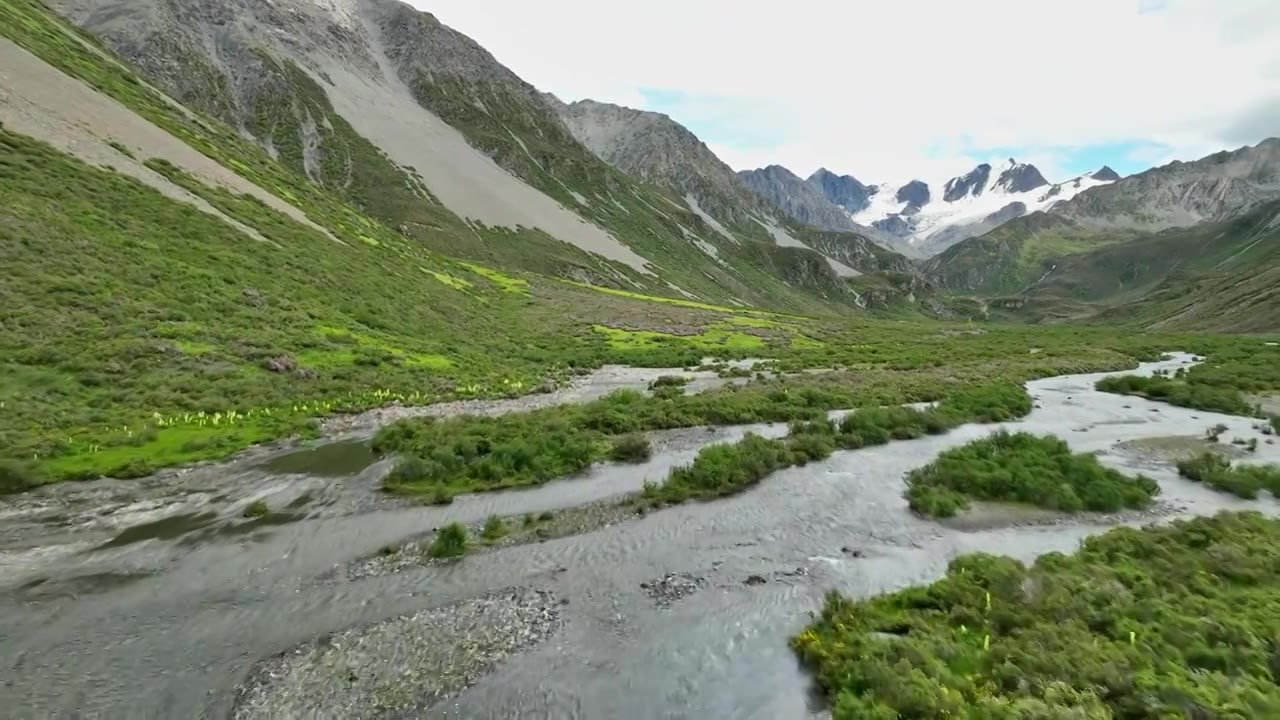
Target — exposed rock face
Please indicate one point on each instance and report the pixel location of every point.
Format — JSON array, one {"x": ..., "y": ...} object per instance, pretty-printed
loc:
[
  {"x": 654, "y": 148},
  {"x": 1182, "y": 194},
  {"x": 914, "y": 193},
  {"x": 1006, "y": 213},
  {"x": 1106, "y": 174},
  {"x": 1020, "y": 177},
  {"x": 970, "y": 184},
  {"x": 894, "y": 225},
  {"x": 287, "y": 71},
  {"x": 800, "y": 200},
  {"x": 843, "y": 190}
]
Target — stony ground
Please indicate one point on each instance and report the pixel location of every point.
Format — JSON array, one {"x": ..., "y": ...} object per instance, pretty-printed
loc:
[{"x": 401, "y": 667}]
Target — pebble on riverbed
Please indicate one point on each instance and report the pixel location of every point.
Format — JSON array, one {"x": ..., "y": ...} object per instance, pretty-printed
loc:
[
  {"x": 671, "y": 587},
  {"x": 401, "y": 667}
]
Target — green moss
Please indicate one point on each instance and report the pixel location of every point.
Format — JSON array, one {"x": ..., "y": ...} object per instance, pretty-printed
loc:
[
  {"x": 456, "y": 283},
  {"x": 506, "y": 282}
]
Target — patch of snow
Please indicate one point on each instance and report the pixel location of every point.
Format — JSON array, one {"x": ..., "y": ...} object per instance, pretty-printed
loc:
[
  {"x": 706, "y": 218},
  {"x": 938, "y": 215},
  {"x": 578, "y": 197}
]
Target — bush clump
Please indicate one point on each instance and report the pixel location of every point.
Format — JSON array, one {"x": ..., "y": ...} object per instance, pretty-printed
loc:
[
  {"x": 450, "y": 542},
  {"x": 494, "y": 529},
  {"x": 16, "y": 477},
  {"x": 722, "y": 469},
  {"x": 1023, "y": 468},
  {"x": 1240, "y": 480},
  {"x": 1182, "y": 392},
  {"x": 632, "y": 448},
  {"x": 1117, "y": 630},
  {"x": 257, "y": 509}
]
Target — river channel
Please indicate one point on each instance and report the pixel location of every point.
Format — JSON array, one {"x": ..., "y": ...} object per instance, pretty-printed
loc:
[{"x": 157, "y": 600}]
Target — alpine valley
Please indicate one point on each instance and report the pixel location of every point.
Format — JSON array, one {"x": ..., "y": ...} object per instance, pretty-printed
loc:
[{"x": 345, "y": 373}]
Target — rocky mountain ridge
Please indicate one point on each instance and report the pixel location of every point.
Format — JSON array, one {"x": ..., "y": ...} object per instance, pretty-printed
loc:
[{"x": 649, "y": 207}]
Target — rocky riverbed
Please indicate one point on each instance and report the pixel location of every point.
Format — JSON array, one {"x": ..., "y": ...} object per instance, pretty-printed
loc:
[{"x": 402, "y": 666}]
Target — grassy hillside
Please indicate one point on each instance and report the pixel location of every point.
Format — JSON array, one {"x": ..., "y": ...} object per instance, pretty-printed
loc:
[
  {"x": 140, "y": 330},
  {"x": 1013, "y": 256},
  {"x": 286, "y": 108},
  {"x": 1222, "y": 277}
]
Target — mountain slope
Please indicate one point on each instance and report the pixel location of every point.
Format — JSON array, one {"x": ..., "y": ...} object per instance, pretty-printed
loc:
[
  {"x": 654, "y": 148},
  {"x": 1025, "y": 251},
  {"x": 1013, "y": 256},
  {"x": 1222, "y": 276},
  {"x": 462, "y": 155},
  {"x": 798, "y": 199},
  {"x": 173, "y": 293},
  {"x": 1216, "y": 187}
]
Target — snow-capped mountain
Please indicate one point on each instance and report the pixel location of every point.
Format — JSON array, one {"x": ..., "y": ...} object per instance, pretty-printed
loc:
[{"x": 932, "y": 217}]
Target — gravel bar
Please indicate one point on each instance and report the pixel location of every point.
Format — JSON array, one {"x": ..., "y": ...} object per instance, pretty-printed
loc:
[{"x": 400, "y": 667}]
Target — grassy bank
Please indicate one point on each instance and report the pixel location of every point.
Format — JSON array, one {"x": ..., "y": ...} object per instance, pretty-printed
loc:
[
  {"x": 1023, "y": 468},
  {"x": 1164, "y": 622},
  {"x": 1220, "y": 384}
]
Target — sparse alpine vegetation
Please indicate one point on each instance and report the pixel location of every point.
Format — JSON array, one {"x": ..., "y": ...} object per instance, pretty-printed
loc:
[{"x": 1023, "y": 468}]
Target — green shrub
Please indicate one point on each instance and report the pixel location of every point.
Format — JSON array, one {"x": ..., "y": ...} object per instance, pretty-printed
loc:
[
  {"x": 546, "y": 516},
  {"x": 668, "y": 381},
  {"x": 257, "y": 509},
  {"x": 1186, "y": 392},
  {"x": 1172, "y": 621},
  {"x": 1023, "y": 468},
  {"x": 1241, "y": 480},
  {"x": 634, "y": 448},
  {"x": 450, "y": 542},
  {"x": 494, "y": 529},
  {"x": 16, "y": 477},
  {"x": 723, "y": 469}
]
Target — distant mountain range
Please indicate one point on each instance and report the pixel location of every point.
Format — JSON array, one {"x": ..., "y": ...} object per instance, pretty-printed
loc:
[{"x": 920, "y": 219}]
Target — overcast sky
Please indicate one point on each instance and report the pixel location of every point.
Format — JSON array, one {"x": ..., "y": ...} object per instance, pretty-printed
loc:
[{"x": 893, "y": 89}]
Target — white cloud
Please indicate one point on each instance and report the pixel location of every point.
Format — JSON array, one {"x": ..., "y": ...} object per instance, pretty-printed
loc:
[{"x": 886, "y": 89}]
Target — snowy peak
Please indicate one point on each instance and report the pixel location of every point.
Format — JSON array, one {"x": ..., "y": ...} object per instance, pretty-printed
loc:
[
  {"x": 970, "y": 184},
  {"x": 971, "y": 204},
  {"x": 1019, "y": 177}
]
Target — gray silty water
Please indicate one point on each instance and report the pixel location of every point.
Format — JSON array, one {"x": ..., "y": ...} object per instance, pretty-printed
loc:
[{"x": 177, "y": 642}]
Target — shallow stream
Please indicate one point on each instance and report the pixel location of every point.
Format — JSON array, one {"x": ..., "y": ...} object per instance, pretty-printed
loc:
[{"x": 159, "y": 603}]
